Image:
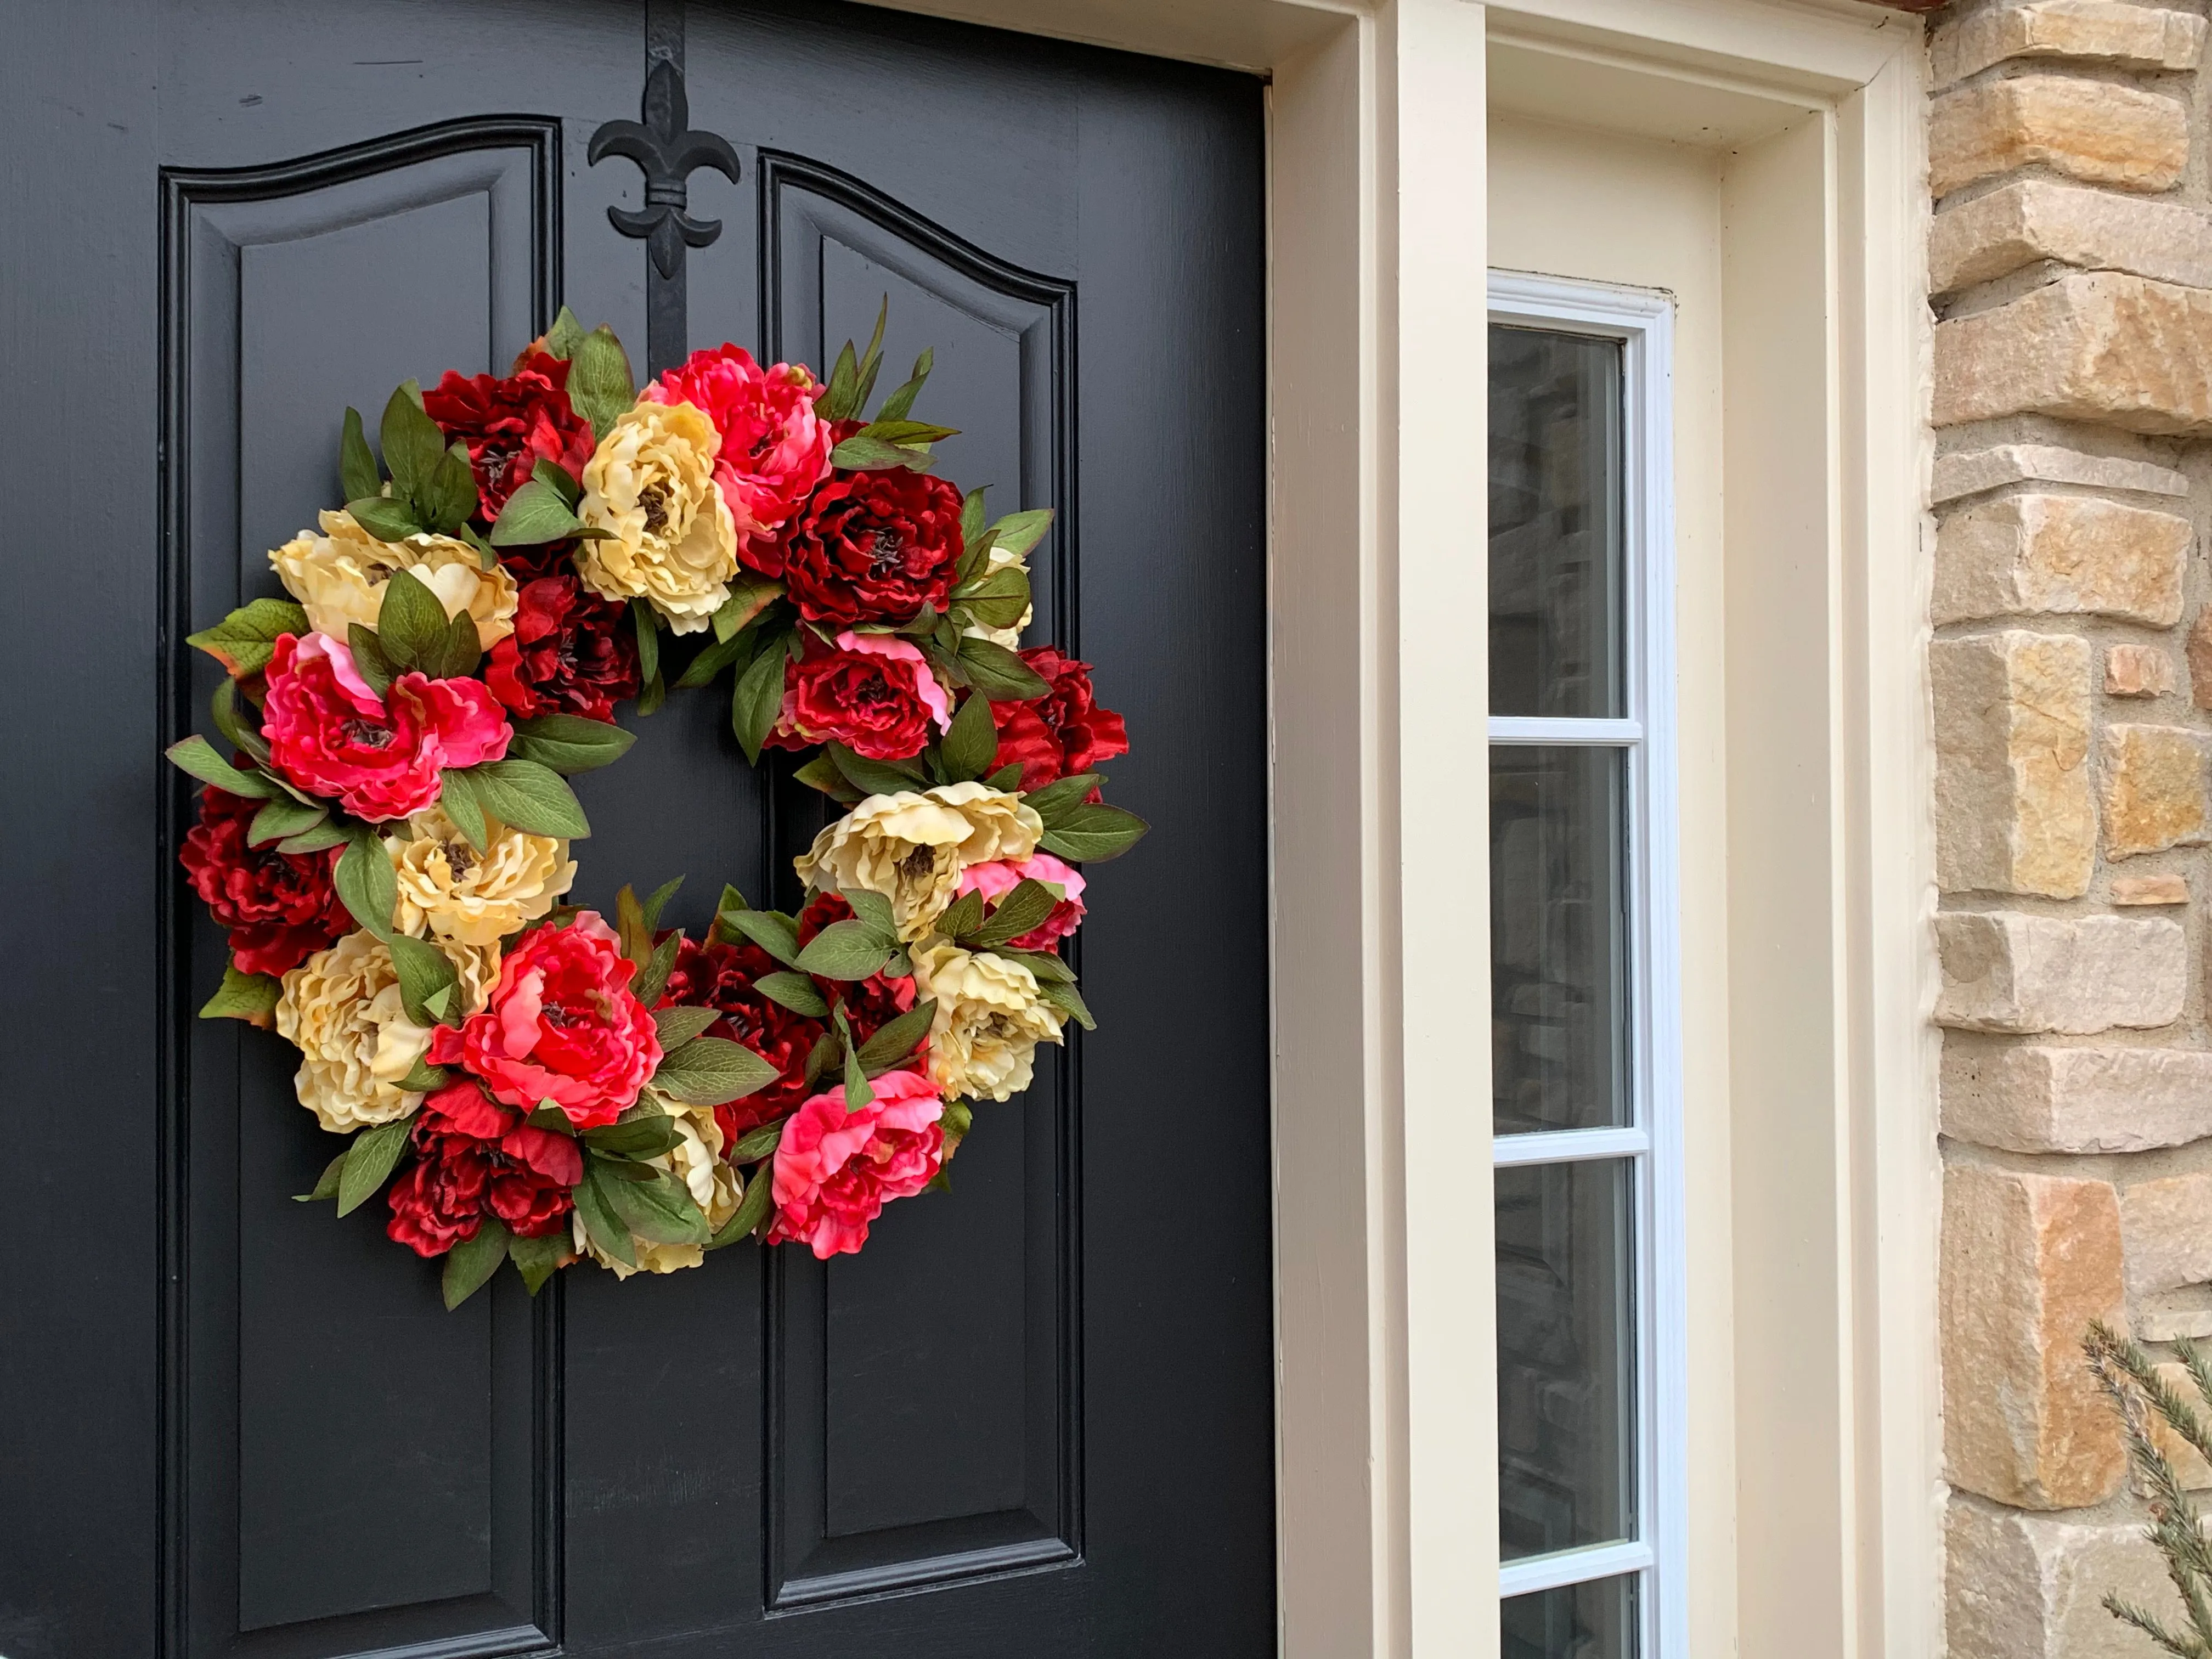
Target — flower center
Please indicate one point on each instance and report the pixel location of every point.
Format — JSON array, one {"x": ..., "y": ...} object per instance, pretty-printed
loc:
[
  {"x": 460, "y": 859},
  {"x": 654, "y": 498},
  {"x": 365, "y": 735},
  {"x": 886, "y": 550},
  {"x": 918, "y": 865}
]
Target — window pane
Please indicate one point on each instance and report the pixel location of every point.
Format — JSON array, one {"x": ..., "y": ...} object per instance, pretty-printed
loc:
[
  {"x": 1557, "y": 938},
  {"x": 1580, "y": 1621},
  {"x": 1555, "y": 523},
  {"x": 1566, "y": 1372}
]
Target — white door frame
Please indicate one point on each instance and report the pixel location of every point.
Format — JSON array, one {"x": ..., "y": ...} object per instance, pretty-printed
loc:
[{"x": 1386, "y": 1392}]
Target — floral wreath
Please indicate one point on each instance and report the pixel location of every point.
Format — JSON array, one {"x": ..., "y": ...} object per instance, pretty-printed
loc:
[{"x": 389, "y": 844}]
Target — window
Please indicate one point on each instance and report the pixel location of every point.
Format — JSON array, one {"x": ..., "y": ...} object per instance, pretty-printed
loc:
[{"x": 1586, "y": 1069}]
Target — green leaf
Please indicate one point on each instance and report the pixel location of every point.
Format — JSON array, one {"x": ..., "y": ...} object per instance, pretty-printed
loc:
[
  {"x": 569, "y": 744},
  {"x": 756, "y": 699},
  {"x": 653, "y": 979},
  {"x": 1000, "y": 599},
  {"x": 862, "y": 454},
  {"x": 244, "y": 732},
  {"x": 410, "y": 625},
  {"x": 604, "y": 1227},
  {"x": 898, "y": 406},
  {"x": 385, "y": 517},
  {"x": 281, "y": 818},
  {"x": 326, "y": 1185},
  {"x": 1093, "y": 833},
  {"x": 423, "y": 1077},
  {"x": 886, "y": 429},
  {"x": 533, "y": 515},
  {"x": 486, "y": 559},
  {"x": 713, "y": 1072},
  {"x": 895, "y": 1039},
  {"x": 457, "y": 794},
  {"x": 1018, "y": 533},
  {"x": 460, "y": 652},
  {"x": 838, "y": 402},
  {"x": 795, "y": 992},
  {"x": 875, "y": 910},
  {"x": 997, "y": 673},
  {"x": 243, "y": 641},
  {"x": 558, "y": 479},
  {"x": 413, "y": 446},
  {"x": 971, "y": 516},
  {"x": 968, "y": 748},
  {"x": 599, "y": 384},
  {"x": 659, "y": 901},
  {"x": 750, "y": 595},
  {"x": 821, "y": 773},
  {"x": 324, "y": 836},
  {"x": 677, "y": 1026},
  {"x": 874, "y": 777},
  {"x": 369, "y": 659},
  {"x": 369, "y": 1164},
  {"x": 758, "y": 1142},
  {"x": 1008, "y": 778},
  {"x": 357, "y": 471},
  {"x": 538, "y": 1258},
  {"x": 661, "y": 1210},
  {"x": 773, "y": 931},
  {"x": 449, "y": 496},
  {"x": 250, "y": 997},
  {"x": 562, "y": 338},
  {"x": 715, "y": 658},
  {"x": 1029, "y": 904},
  {"x": 196, "y": 755},
  {"x": 871, "y": 360},
  {"x": 424, "y": 970},
  {"x": 525, "y": 795},
  {"x": 730, "y": 901},
  {"x": 546, "y": 1115},
  {"x": 1057, "y": 800},
  {"x": 631, "y": 927},
  {"x": 1066, "y": 998},
  {"x": 640, "y": 1137},
  {"x": 366, "y": 882},
  {"x": 961, "y": 917},
  {"x": 844, "y": 951},
  {"x": 645, "y": 624},
  {"x": 653, "y": 694},
  {"x": 1045, "y": 966},
  {"x": 753, "y": 1209},
  {"x": 473, "y": 1260}
]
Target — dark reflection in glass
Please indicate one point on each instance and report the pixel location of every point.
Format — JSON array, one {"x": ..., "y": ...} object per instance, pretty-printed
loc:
[
  {"x": 1555, "y": 523},
  {"x": 1579, "y": 1621},
  {"x": 1559, "y": 938},
  {"x": 1566, "y": 1339}
]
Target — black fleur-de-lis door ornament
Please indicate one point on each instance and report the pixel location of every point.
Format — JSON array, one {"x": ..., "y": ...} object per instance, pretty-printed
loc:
[{"x": 667, "y": 150}]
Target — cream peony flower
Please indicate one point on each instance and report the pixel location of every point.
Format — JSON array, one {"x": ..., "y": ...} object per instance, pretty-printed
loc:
[
  {"x": 715, "y": 1187},
  {"x": 912, "y": 847},
  {"x": 339, "y": 577},
  {"x": 989, "y": 1022},
  {"x": 674, "y": 544},
  {"x": 448, "y": 888},
  {"x": 342, "y": 1008}
]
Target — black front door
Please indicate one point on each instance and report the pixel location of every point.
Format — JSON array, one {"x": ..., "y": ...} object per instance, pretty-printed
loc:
[{"x": 1036, "y": 1416}]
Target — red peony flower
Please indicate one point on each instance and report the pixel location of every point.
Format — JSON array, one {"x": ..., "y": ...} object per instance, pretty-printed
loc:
[
  {"x": 872, "y": 692},
  {"x": 280, "y": 907},
  {"x": 774, "y": 448},
  {"x": 1062, "y": 732},
  {"x": 999, "y": 877},
  {"x": 721, "y": 976},
  {"x": 869, "y": 1004},
  {"x": 561, "y": 1026},
  {"x": 380, "y": 756},
  {"x": 835, "y": 1169},
  {"x": 874, "y": 547},
  {"x": 571, "y": 652},
  {"x": 475, "y": 1156},
  {"x": 510, "y": 424}
]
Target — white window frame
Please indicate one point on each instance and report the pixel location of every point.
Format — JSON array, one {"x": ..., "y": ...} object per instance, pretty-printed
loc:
[{"x": 1643, "y": 322}]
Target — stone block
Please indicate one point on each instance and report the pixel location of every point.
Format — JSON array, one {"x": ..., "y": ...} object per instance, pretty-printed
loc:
[
  {"x": 2098, "y": 31},
  {"x": 2033, "y": 219},
  {"x": 2165, "y": 888},
  {"x": 2014, "y": 812},
  {"x": 2188, "y": 1465},
  {"x": 2138, "y": 670},
  {"x": 2094, "y": 130},
  {"x": 2061, "y": 554},
  {"x": 2003, "y": 971},
  {"x": 2028, "y": 1261},
  {"x": 2028, "y": 1097},
  {"x": 2198, "y": 650},
  {"x": 2153, "y": 789},
  {"x": 2033, "y": 1586},
  {"x": 2166, "y": 1230},
  {"x": 1976, "y": 471},
  {"x": 2096, "y": 346}
]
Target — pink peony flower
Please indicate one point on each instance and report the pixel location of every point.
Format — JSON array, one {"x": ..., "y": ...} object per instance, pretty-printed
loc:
[
  {"x": 561, "y": 1026},
  {"x": 774, "y": 448},
  {"x": 835, "y": 1169},
  {"x": 1000, "y": 877},
  {"x": 380, "y": 756}
]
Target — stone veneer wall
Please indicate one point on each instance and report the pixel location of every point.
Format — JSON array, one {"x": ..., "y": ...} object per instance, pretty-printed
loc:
[{"x": 2070, "y": 263}]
